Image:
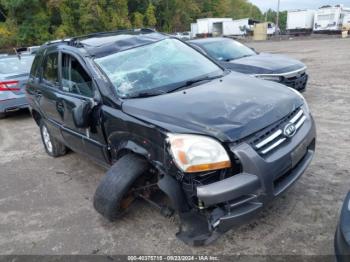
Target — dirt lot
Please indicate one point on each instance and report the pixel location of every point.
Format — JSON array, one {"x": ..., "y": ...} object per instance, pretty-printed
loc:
[{"x": 46, "y": 207}]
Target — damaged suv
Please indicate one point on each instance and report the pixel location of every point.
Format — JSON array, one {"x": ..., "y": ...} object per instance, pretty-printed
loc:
[{"x": 173, "y": 128}]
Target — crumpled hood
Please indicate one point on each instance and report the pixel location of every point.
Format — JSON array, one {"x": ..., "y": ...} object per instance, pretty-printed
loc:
[
  {"x": 264, "y": 63},
  {"x": 229, "y": 110}
]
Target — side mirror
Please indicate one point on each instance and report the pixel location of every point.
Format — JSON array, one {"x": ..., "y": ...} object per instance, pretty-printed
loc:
[
  {"x": 82, "y": 114},
  {"x": 253, "y": 49}
]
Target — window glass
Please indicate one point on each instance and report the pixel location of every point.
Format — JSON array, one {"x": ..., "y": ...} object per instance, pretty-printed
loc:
[
  {"x": 226, "y": 50},
  {"x": 51, "y": 69},
  {"x": 74, "y": 77},
  {"x": 36, "y": 63},
  {"x": 160, "y": 66}
]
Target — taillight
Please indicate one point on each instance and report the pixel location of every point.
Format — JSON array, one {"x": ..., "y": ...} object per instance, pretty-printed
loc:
[{"x": 9, "y": 86}]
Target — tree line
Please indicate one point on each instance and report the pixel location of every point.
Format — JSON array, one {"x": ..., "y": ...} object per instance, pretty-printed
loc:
[{"x": 32, "y": 22}]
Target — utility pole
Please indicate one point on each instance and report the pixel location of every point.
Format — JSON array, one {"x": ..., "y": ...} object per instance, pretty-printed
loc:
[{"x": 278, "y": 18}]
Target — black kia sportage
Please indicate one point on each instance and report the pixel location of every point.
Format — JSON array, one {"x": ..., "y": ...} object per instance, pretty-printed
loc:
[{"x": 166, "y": 120}]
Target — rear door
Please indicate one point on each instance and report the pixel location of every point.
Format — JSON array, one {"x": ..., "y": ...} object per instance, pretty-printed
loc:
[
  {"x": 47, "y": 91},
  {"x": 78, "y": 87}
]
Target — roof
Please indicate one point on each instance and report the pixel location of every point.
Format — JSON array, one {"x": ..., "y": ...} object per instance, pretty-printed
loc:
[
  {"x": 104, "y": 43},
  {"x": 101, "y": 46},
  {"x": 208, "y": 40}
]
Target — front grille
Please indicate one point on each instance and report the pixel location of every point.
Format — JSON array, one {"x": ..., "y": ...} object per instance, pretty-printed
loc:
[
  {"x": 275, "y": 136},
  {"x": 297, "y": 82}
]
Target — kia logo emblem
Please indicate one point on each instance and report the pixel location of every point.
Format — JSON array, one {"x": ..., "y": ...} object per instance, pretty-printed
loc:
[{"x": 289, "y": 130}]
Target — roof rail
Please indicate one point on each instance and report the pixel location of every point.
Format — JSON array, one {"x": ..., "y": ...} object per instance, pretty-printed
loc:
[
  {"x": 66, "y": 40},
  {"x": 117, "y": 32},
  {"x": 75, "y": 41}
]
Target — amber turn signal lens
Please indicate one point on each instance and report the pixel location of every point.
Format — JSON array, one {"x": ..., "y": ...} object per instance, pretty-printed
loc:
[{"x": 206, "y": 167}]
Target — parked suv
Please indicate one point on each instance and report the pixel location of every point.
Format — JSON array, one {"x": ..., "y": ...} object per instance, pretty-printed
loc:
[
  {"x": 170, "y": 124},
  {"x": 240, "y": 58}
]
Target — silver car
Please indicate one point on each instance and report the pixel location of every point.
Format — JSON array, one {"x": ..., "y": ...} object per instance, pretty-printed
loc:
[{"x": 14, "y": 73}]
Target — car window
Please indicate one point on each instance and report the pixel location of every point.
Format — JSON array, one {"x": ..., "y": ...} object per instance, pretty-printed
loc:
[
  {"x": 74, "y": 77},
  {"x": 15, "y": 65},
  {"x": 226, "y": 50},
  {"x": 158, "y": 66},
  {"x": 34, "y": 72},
  {"x": 50, "y": 73}
]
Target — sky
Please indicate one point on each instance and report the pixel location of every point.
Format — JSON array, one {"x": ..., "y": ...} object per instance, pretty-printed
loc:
[{"x": 297, "y": 4}]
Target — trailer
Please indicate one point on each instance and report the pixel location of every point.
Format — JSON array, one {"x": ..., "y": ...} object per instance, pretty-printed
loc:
[
  {"x": 194, "y": 30},
  {"x": 209, "y": 26},
  {"x": 329, "y": 19},
  {"x": 224, "y": 28},
  {"x": 300, "y": 21}
]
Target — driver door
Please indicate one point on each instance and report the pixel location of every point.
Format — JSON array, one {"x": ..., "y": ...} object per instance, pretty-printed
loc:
[{"x": 78, "y": 87}]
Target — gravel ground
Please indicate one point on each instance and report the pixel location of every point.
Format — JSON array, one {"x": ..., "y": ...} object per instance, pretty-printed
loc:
[{"x": 46, "y": 203}]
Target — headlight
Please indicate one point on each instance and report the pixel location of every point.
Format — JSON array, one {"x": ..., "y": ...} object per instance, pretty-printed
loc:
[
  {"x": 305, "y": 106},
  {"x": 195, "y": 153},
  {"x": 269, "y": 77}
]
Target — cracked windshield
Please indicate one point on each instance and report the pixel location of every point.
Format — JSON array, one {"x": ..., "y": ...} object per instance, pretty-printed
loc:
[{"x": 159, "y": 67}]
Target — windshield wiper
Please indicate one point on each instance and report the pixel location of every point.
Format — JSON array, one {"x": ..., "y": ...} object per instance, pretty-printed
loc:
[
  {"x": 230, "y": 59},
  {"x": 246, "y": 56},
  {"x": 194, "y": 81},
  {"x": 146, "y": 94},
  {"x": 188, "y": 83}
]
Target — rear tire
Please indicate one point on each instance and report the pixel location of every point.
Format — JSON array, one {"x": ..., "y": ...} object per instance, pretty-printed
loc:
[
  {"x": 2, "y": 115},
  {"x": 53, "y": 147},
  {"x": 115, "y": 185}
]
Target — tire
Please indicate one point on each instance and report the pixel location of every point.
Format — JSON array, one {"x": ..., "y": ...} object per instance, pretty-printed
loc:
[
  {"x": 115, "y": 185},
  {"x": 2, "y": 115},
  {"x": 53, "y": 147}
]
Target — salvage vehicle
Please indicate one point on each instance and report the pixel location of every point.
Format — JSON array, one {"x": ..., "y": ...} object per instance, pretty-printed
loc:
[
  {"x": 342, "y": 235},
  {"x": 240, "y": 58},
  {"x": 14, "y": 73},
  {"x": 165, "y": 119}
]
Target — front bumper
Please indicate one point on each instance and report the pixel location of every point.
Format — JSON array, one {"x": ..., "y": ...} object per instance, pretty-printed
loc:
[
  {"x": 342, "y": 235},
  {"x": 234, "y": 200}
]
